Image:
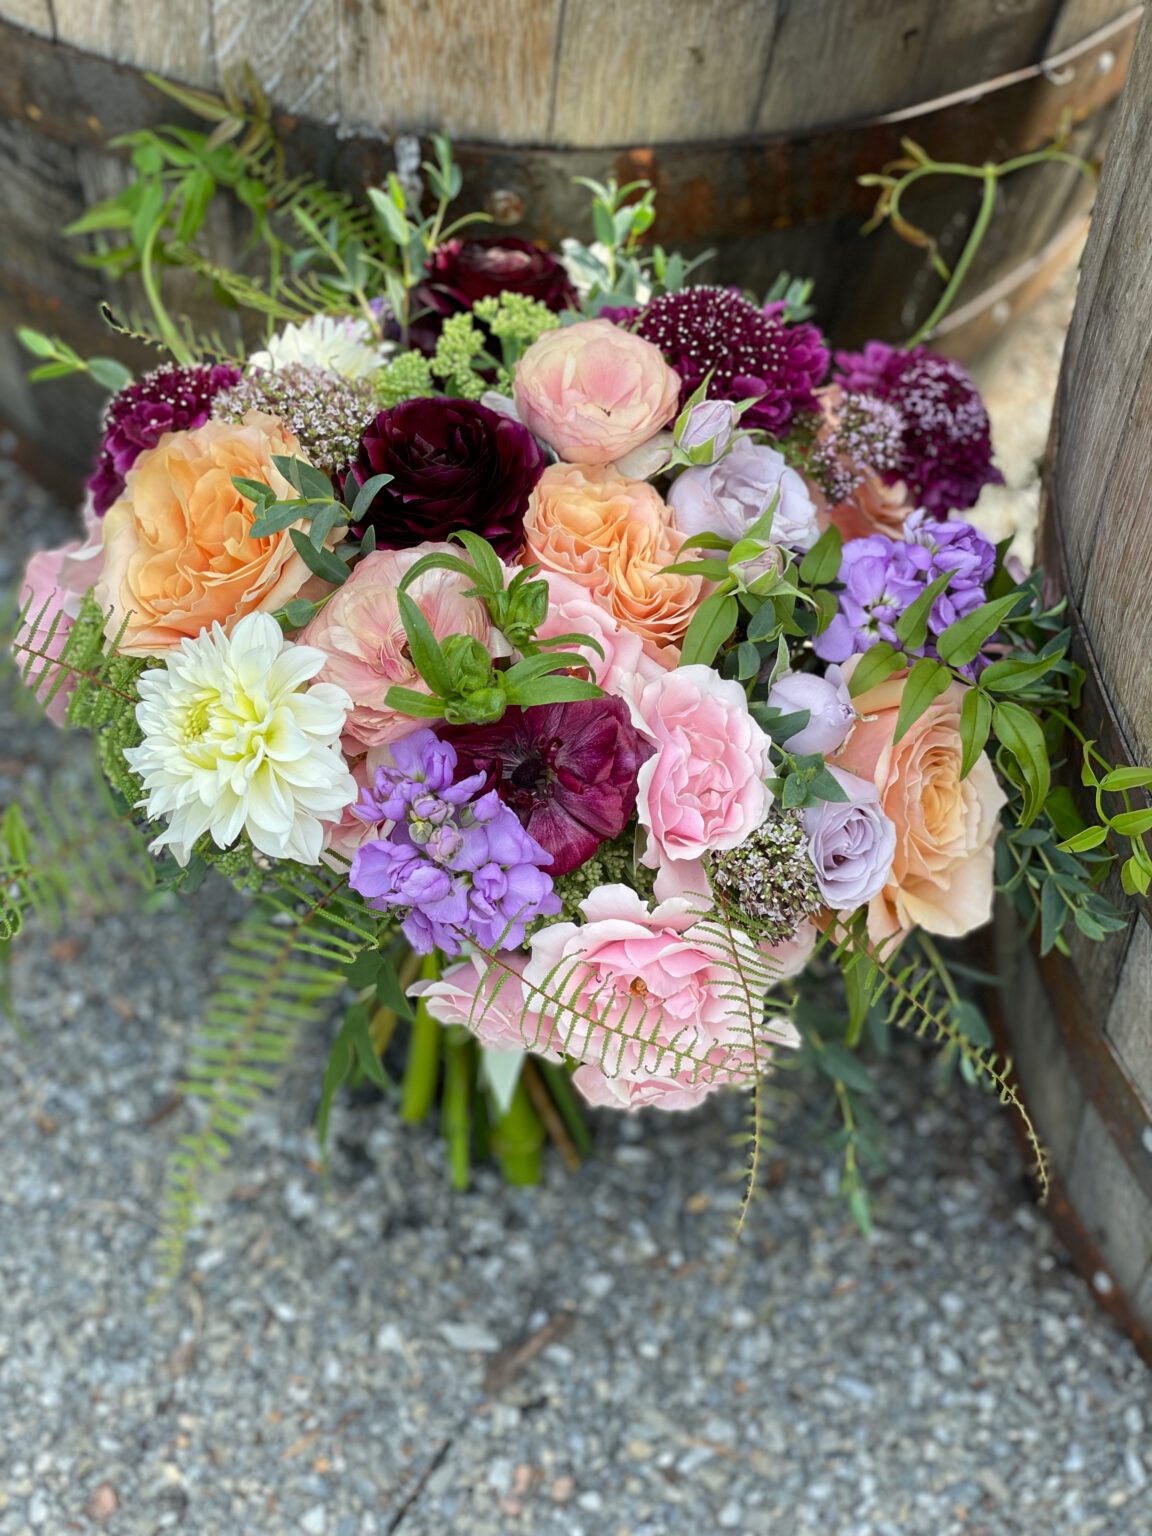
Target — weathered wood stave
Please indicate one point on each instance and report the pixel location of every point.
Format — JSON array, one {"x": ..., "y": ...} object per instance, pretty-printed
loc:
[
  {"x": 724, "y": 108},
  {"x": 1081, "y": 1026}
]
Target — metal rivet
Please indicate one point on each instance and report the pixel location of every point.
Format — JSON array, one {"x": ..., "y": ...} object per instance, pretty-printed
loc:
[
  {"x": 1102, "y": 1283},
  {"x": 1001, "y": 312},
  {"x": 505, "y": 206},
  {"x": 1146, "y": 1138},
  {"x": 1105, "y": 62}
]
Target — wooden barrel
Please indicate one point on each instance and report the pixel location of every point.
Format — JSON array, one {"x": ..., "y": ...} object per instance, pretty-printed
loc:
[
  {"x": 1081, "y": 1026},
  {"x": 752, "y": 117}
]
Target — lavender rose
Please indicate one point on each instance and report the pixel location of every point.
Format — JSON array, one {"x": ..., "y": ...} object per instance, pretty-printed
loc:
[
  {"x": 851, "y": 843},
  {"x": 829, "y": 705},
  {"x": 727, "y": 497},
  {"x": 709, "y": 423}
]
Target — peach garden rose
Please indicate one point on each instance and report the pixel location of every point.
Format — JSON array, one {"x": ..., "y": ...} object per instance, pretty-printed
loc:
[
  {"x": 177, "y": 556},
  {"x": 942, "y": 876},
  {"x": 614, "y": 537}
]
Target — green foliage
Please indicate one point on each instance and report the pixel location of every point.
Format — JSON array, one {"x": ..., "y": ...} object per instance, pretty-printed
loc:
[
  {"x": 916, "y": 164},
  {"x": 71, "y": 852},
  {"x": 61, "y": 360},
  {"x": 285, "y": 965},
  {"x": 616, "y": 272}
]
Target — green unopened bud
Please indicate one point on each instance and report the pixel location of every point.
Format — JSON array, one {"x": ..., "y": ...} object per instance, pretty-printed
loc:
[
  {"x": 469, "y": 664},
  {"x": 483, "y": 707}
]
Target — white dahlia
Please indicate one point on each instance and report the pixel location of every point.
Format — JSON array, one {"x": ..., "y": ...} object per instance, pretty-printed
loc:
[
  {"x": 336, "y": 343},
  {"x": 235, "y": 740}
]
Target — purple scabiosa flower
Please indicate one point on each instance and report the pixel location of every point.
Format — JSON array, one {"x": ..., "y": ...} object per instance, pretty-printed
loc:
[
  {"x": 946, "y": 447},
  {"x": 137, "y": 417},
  {"x": 568, "y": 771},
  {"x": 459, "y": 862},
  {"x": 749, "y": 351}
]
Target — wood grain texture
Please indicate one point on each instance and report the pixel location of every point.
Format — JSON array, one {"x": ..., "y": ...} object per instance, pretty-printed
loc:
[
  {"x": 1079, "y": 18},
  {"x": 1130, "y": 1017},
  {"x": 1107, "y": 341},
  {"x": 480, "y": 69},
  {"x": 1110, "y": 1202},
  {"x": 172, "y": 37},
  {"x": 1102, "y": 485},
  {"x": 634, "y": 74},
  {"x": 292, "y": 45},
  {"x": 834, "y": 62},
  {"x": 34, "y": 15}
]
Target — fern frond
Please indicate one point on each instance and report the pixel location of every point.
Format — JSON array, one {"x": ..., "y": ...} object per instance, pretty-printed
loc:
[
  {"x": 918, "y": 1005},
  {"x": 285, "y": 965},
  {"x": 207, "y": 346},
  {"x": 67, "y": 853}
]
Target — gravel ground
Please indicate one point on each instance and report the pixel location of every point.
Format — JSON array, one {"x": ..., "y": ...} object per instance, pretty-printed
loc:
[{"x": 591, "y": 1358}]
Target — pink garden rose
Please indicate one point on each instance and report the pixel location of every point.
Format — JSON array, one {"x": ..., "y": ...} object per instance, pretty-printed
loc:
[
  {"x": 704, "y": 789},
  {"x": 55, "y": 581},
  {"x": 360, "y": 631},
  {"x": 572, "y": 609},
  {"x": 946, "y": 826},
  {"x": 654, "y": 976},
  {"x": 489, "y": 1003},
  {"x": 593, "y": 392}
]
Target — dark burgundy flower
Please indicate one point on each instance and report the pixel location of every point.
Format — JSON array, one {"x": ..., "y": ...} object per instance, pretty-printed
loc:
[
  {"x": 749, "y": 351},
  {"x": 567, "y": 770},
  {"x": 136, "y": 418},
  {"x": 946, "y": 446},
  {"x": 461, "y": 271},
  {"x": 454, "y": 464}
]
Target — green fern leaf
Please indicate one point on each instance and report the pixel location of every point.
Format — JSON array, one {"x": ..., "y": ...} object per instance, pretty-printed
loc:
[{"x": 285, "y": 966}]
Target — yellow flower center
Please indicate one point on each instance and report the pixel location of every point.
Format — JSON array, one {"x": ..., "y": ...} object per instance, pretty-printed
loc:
[{"x": 197, "y": 720}]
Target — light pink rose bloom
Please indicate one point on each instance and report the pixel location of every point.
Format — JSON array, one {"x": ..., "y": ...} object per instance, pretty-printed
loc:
[
  {"x": 360, "y": 631},
  {"x": 54, "y": 585},
  {"x": 593, "y": 392},
  {"x": 654, "y": 982},
  {"x": 573, "y": 609},
  {"x": 703, "y": 790},
  {"x": 946, "y": 826},
  {"x": 490, "y": 1002}
]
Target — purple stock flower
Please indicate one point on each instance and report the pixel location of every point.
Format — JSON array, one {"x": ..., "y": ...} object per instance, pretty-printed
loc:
[
  {"x": 136, "y": 418},
  {"x": 851, "y": 843},
  {"x": 946, "y": 447},
  {"x": 882, "y": 577},
  {"x": 464, "y": 868}
]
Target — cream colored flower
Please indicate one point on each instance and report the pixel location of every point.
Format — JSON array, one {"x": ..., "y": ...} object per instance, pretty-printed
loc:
[
  {"x": 235, "y": 741},
  {"x": 337, "y": 343}
]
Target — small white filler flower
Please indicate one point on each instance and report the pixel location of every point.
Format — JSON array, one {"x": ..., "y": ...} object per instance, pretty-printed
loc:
[
  {"x": 337, "y": 343},
  {"x": 235, "y": 740}
]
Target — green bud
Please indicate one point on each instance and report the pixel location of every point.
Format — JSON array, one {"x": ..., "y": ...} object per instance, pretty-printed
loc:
[{"x": 483, "y": 707}]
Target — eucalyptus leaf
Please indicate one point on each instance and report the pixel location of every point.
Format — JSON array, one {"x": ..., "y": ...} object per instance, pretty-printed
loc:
[{"x": 319, "y": 561}]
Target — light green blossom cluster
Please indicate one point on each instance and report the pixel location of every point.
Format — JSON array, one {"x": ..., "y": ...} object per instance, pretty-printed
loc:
[
  {"x": 516, "y": 321},
  {"x": 407, "y": 377},
  {"x": 459, "y": 349}
]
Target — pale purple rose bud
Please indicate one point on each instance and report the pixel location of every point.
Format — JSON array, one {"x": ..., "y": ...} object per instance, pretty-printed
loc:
[
  {"x": 851, "y": 843},
  {"x": 829, "y": 706},
  {"x": 709, "y": 421},
  {"x": 727, "y": 497}
]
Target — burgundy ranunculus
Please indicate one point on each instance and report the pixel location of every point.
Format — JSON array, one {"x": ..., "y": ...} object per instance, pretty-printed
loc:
[
  {"x": 454, "y": 464},
  {"x": 169, "y": 400},
  {"x": 461, "y": 271},
  {"x": 567, "y": 770}
]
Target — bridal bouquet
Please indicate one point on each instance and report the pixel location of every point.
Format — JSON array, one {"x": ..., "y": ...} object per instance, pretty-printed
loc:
[{"x": 574, "y": 659}]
